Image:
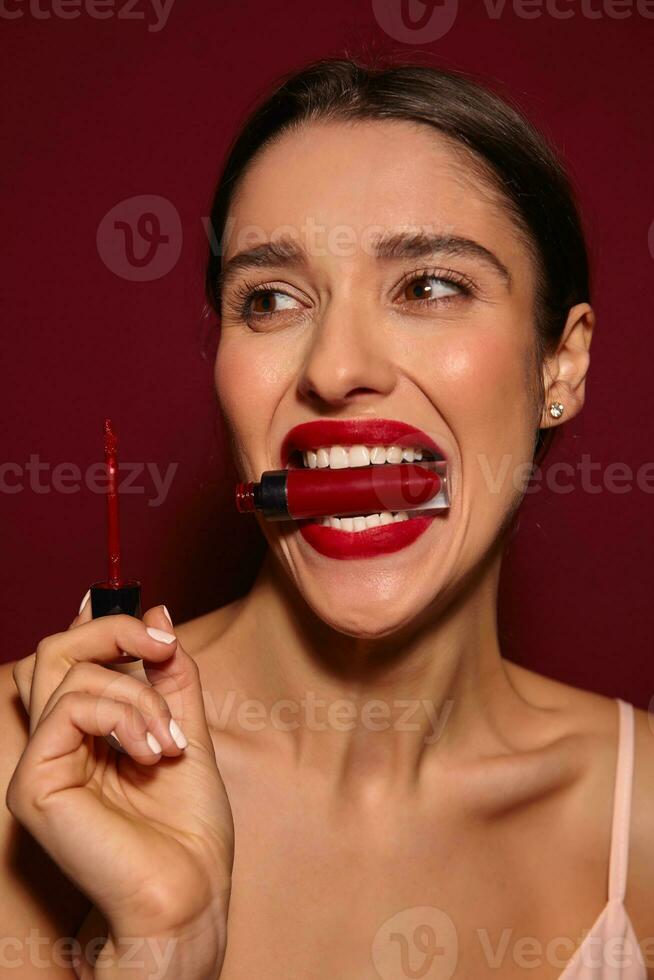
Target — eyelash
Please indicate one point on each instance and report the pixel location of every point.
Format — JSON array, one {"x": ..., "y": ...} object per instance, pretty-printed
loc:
[{"x": 247, "y": 291}]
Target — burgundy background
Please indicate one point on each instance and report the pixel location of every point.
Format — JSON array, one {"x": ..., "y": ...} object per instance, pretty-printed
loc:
[{"x": 99, "y": 111}]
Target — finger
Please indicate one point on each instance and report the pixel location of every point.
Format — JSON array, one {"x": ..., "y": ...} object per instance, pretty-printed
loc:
[
  {"x": 50, "y": 761},
  {"x": 178, "y": 679},
  {"x": 48, "y": 790},
  {"x": 92, "y": 678},
  {"x": 84, "y": 614},
  {"x": 101, "y": 640},
  {"x": 23, "y": 671},
  {"x": 159, "y": 617}
]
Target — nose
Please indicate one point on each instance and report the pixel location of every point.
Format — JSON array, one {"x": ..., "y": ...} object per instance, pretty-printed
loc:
[{"x": 347, "y": 356}]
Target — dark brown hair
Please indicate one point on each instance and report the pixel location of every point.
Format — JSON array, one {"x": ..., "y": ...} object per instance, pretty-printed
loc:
[{"x": 506, "y": 149}]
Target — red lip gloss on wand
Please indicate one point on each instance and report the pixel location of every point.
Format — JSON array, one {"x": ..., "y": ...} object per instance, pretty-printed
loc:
[{"x": 304, "y": 493}]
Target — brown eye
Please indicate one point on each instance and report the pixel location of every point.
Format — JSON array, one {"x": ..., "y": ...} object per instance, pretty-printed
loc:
[
  {"x": 430, "y": 288},
  {"x": 267, "y": 300}
]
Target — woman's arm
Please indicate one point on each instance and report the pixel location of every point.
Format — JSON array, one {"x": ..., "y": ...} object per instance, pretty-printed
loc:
[{"x": 40, "y": 908}]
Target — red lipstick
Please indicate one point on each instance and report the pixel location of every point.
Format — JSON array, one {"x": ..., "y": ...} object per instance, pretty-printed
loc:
[
  {"x": 115, "y": 595},
  {"x": 304, "y": 493},
  {"x": 351, "y": 432},
  {"x": 374, "y": 541}
]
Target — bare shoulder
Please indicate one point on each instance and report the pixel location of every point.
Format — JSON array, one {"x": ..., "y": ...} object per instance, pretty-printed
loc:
[
  {"x": 585, "y": 712},
  {"x": 640, "y": 880},
  {"x": 13, "y": 720},
  {"x": 34, "y": 892},
  {"x": 595, "y": 718},
  {"x": 200, "y": 633}
]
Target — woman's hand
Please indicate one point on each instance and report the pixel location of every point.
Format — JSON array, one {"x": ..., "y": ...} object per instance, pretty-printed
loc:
[{"x": 147, "y": 835}]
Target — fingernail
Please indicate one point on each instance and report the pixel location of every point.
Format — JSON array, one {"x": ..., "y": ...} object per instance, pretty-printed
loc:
[
  {"x": 113, "y": 734},
  {"x": 84, "y": 601},
  {"x": 177, "y": 735},
  {"x": 152, "y": 742},
  {"x": 160, "y": 635},
  {"x": 167, "y": 614}
]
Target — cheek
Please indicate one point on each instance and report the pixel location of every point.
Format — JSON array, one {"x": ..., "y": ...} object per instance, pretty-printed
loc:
[
  {"x": 250, "y": 379},
  {"x": 250, "y": 370},
  {"x": 480, "y": 387}
]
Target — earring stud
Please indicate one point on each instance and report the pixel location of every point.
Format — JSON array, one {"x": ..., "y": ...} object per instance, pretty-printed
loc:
[{"x": 556, "y": 410}]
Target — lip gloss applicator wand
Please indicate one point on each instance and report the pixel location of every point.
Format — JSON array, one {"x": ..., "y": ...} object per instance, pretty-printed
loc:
[{"x": 116, "y": 595}]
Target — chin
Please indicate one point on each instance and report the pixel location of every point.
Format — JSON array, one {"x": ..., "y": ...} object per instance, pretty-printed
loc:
[{"x": 369, "y": 612}]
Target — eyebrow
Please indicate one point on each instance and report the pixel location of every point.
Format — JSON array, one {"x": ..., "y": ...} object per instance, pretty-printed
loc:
[{"x": 287, "y": 251}]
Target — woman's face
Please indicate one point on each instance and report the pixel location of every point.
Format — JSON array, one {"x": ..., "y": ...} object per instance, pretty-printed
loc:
[{"x": 442, "y": 341}]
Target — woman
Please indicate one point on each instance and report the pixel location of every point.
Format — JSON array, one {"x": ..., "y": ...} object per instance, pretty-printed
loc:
[{"x": 362, "y": 785}]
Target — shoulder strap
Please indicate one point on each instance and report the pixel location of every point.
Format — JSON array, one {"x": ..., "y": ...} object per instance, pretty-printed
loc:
[{"x": 622, "y": 802}]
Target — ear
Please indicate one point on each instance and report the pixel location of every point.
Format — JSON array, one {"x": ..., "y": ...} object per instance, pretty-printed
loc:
[{"x": 564, "y": 372}]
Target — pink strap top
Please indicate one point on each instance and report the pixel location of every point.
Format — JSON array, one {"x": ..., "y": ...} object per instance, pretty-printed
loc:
[{"x": 610, "y": 949}]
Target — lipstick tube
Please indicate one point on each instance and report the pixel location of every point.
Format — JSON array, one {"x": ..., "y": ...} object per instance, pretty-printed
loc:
[{"x": 294, "y": 494}]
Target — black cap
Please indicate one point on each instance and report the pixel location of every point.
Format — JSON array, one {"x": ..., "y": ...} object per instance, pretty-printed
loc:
[{"x": 114, "y": 600}]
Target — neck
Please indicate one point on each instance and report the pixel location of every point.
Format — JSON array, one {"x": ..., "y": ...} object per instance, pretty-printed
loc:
[{"x": 369, "y": 711}]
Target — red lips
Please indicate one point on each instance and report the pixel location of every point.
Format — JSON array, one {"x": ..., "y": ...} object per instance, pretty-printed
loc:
[{"x": 352, "y": 432}]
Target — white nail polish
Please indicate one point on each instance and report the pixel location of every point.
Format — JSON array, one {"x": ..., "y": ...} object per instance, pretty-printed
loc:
[
  {"x": 177, "y": 735},
  {"x": 152, "y": 742},
  {"x": 113, "y": 735},
  {"x": 160, "y": 635},
  {"x": 167, "y": 614},
  {"x": 84, "y": 601}
]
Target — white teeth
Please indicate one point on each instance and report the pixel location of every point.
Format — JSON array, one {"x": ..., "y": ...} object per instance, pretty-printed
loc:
[
  {"x": 361, "y": 523},
  {"x": 340, "y": 457},
  {"x": 358, "y": 456}
]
